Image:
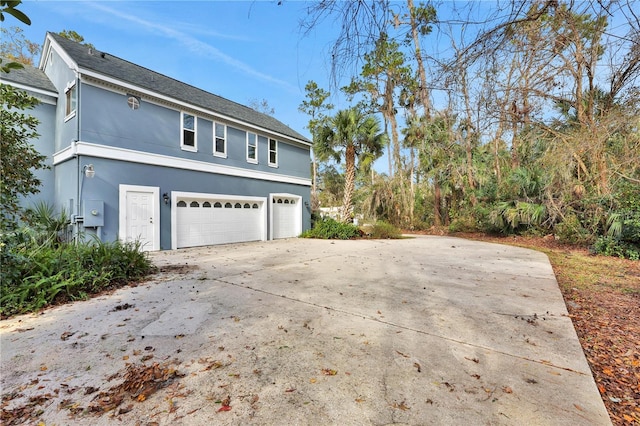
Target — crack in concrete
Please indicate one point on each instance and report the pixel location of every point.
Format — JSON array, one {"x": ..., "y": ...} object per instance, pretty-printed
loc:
[{"x": 402, "y": 327}]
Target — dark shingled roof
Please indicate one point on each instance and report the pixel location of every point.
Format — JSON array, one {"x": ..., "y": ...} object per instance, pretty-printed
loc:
[
  {"x": 112, "y": 66},
  {"x": 28, "y": 76}
]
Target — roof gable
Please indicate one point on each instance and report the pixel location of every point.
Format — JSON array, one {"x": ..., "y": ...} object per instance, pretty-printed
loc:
[{"x": 119, "y": 69}]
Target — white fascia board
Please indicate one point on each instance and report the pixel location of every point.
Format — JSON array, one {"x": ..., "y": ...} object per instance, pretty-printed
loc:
[
  {"x": 132, "y": 156},
  {"x": 64, "y": 154},
  {"x": 32, "y": 89},
  {"x": 128, "y": 86}
]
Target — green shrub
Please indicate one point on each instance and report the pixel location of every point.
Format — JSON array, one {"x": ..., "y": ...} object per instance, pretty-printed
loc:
[
  {"x": 464, "y": 224},
  {"x": 571, "y": 231},
  {"x": 610, "y": 246},
  {"x": 35, "y": 275},
  {"x": 384, "y": 230},
  {"x": 330, "y": 229}
]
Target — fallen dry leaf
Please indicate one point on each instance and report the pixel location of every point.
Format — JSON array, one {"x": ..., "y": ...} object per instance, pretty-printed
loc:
[
  {"x": 402, "y": 406},
  {"x": 66, "y": 335}
]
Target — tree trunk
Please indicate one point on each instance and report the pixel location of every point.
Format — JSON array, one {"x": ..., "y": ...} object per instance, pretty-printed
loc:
[
  {"x": 437, "y": 202},
  {"x": 349, "y": 183},
  {"x": 423, "y": 91}
]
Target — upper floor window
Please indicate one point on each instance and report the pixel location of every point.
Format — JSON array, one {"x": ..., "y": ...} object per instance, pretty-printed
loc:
[
  {"x": 273, "y": 153},
  {"x": 188, "y": 142},
  {"x": 220, "y": 140},
  {"x": 71, "y": 99},
  {"x": 252, "y": 147}
]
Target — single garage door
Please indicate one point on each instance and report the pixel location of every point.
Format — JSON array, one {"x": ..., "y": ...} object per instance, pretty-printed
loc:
[
  {"x": 286, "y": 216},
  {"x": 208, "y": 221}
]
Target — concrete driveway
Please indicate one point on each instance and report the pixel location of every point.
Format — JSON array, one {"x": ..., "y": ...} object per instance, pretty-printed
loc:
[{"x": 421, "y": 331}]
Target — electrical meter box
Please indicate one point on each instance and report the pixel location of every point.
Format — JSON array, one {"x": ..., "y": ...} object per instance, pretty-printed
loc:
[{"x": 93, "y": 213}]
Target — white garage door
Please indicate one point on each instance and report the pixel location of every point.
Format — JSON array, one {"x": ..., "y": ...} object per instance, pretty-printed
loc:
[
  {"x": 208, "y": 221},
  {"x": 286, "y": 216}
]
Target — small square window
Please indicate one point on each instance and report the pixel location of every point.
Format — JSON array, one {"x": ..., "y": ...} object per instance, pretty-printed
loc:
[
  {"x": 273, "y": 153},
  {"x": 252, "y": 147},
  {"x": 220, "y": 140},
  {"x": 189, "y": 132}
]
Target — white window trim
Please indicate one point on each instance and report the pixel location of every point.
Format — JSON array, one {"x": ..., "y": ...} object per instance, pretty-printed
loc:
[
  {"x": 184, "y": 147},
  {"x": 217, "y": 153},
  {"x": 255, "y": 144},
  {"x": 70, "y": 86},
  {"x": 269, "y": 152}
]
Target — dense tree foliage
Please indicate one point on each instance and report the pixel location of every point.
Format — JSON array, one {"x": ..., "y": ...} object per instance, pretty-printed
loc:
[
  {"x": 10, "y": 7},
  {"x": 16, "y": 47},
  {"x": 516, "y": 119},
  {"x": 19, "y": 157}
]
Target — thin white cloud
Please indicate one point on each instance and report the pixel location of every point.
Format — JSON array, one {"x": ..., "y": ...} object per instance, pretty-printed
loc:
[{"x": 196, "y": 46}]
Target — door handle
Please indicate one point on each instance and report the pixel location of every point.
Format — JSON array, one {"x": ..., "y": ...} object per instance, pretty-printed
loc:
[{"x": 150, "y": 220}]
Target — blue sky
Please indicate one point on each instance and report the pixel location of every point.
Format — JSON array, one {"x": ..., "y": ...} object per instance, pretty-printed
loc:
[{"x": 241, "y": 50}]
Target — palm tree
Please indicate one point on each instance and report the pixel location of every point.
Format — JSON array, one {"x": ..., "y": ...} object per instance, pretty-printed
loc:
[{"x": 356, "y": 137}]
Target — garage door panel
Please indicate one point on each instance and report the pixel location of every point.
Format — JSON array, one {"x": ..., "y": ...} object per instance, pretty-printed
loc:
[
  {"x": 286, "y": 216},
  {"x": 210, "y": 221}
]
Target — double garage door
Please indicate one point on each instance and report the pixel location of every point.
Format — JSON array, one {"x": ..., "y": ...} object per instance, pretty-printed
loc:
[{"x": 202, "y": 220}]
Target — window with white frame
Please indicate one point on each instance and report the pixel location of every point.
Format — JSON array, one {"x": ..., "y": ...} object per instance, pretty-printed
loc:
[
  {"x": 220, "y": 140},
  {"x": 188, "y": 142},
  {"x": 71, "y": 99},
  {"x": 273, "y": 153},
  {"x": 252, "y": 147}
]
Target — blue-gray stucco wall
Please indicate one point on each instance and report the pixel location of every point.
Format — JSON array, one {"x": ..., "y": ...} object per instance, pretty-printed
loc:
[
  {"x": 110, "y": 174},
  {"x": 156, "y": 129},
  {"x": 60, "y": 75},
  {"x": 45, "y": 113}
]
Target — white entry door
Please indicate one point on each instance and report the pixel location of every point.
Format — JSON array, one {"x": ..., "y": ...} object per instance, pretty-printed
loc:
[{"x": 139, "y": 215}]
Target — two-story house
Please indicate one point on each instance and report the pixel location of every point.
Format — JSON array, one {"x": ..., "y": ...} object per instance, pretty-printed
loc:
[{"x": 137, "y": 155}]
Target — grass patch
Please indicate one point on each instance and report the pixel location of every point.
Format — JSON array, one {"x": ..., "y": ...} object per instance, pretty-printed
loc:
[{"x": 588, "y": 272}]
